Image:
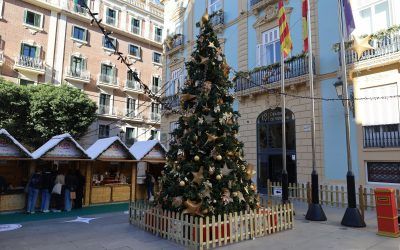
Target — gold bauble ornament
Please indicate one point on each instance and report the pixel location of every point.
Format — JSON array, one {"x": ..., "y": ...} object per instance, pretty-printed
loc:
[
  {"x": 182, "y": 183},
  {"x": 360, "y": 45},
  {"x": 205, "y": 211},
  {"x": 219, "y": 157},
  {"x": 218, "y": 177},
  {"x": 196, "y": 158}
]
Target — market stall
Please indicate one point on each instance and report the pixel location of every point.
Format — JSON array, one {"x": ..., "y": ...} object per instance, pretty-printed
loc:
[
  {"x": 151, "y": 157},
  {"x": 62, "y": 154},
  {"x": 14, "y": 172},
  {"x": 113, "y": 172}
]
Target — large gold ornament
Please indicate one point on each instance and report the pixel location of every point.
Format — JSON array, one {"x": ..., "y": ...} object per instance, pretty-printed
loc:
[
  {"x": 182, "y": 183},
  {"x": 196, "y": 158},
  {"x": 240, "y": 196},
  {"x": 250, "y": 171},
  {"x": 192, "y": 208},
  {"x": 360, "y": 45},
  {"x": 211, "y": 45},
  {"x": 211, "y": 138},
  {"x": 205, "y": 18},
  {"x": 204, "y": 60},
  {"x": 198, "y": 176},
  {"x": 207, "y": 190},
  {"x": 218, "y": 177}
]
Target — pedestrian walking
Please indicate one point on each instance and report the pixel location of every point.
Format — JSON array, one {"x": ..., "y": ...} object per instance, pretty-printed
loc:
[
  {"x": 33, "y": 192},
  {"x": 46, "y": 187}
]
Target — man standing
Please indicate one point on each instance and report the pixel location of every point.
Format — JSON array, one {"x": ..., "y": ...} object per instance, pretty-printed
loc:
[
  {"x": 150, "y": 186},
  {"x": 33, "y": 191}
]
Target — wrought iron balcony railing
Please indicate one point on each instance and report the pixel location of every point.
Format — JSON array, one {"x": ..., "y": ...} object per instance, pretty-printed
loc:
[
  {"x": 74, "y": 7},
  {"x": 155, "y": 89},
  {"x": 107, "y": 80},
  {"x": 105, "y": 110},
  {"x": 79, "y": 74},
  {"x": 135, "y": 30},
  {"x": 158, "y": 38},
  {"x": 29, "y": 62},
  {"x": 217, "y": 18},
  {"x": 267, "y": 75},
  {"x": 111, "y": 21},
  {"x": 382, "y": 136},
  {"x": 132, "y": 113},
  {"x": 385, "y": 46},
  {"x": 155, "y": 117},
  {"x": 175, "y": 41},
  {"x": 171, "y": 102},
  {"x": 132, "y": 85}
]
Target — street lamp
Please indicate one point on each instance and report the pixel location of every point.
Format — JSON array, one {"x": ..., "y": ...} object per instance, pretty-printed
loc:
[{"x": 352, "y": 216}]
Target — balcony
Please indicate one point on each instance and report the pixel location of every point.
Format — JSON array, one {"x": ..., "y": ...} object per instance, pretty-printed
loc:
[
  {"x": 133, "y": 86},
  {"x": 106, "y": 110},
  {"x": 174, "y": 43},
  {"x": 107, "y": 81},
  {"x": 77, "y": 75},
  {"x": 78, "y": 9},
  {"x": 296, "y": 71},
  {"x": 171, "y": 102},
  {"x": 217, "y": 20},
  {"x": 386, "y": 52},
  {"x": 111, "y": 21},
  {"x": 155, "y": 117},
  {"x": 29, "y": 64},
  {"x": 158, "y": 38},
  {"x": 135, "y": 30},
  {"x": 1, "y": 58},
  {"x": 382, "y": 136},
  {"x": 131, "y": 114},
  {"x": 156, "y": 90}
]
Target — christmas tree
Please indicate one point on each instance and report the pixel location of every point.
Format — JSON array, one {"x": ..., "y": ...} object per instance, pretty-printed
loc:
[{"x": 205, "y": 172}]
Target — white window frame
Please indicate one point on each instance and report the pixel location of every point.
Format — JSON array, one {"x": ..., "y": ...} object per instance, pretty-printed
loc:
[
  {"x": 76, "y": 39},
  {"x": 1, "y": 8},
  {"x": 268, "y": 37},
  {"x": 109, "y": 130},
  {"x": 140, "y": 51},
  {"x": 215, "y": 5},
  {"x": 174, "y": 83},
  {"x": 372, "y": 8},
  {"x": 135, "y": 134},
  {"x": 116, "y": 15},
  {"x": 40, "y": 28},
  {"x": 154, "y": 32},
  {"x": 140, "y": 25},
  {"x": 104, "y": 42},
  {"x": 152, "y": 59}
]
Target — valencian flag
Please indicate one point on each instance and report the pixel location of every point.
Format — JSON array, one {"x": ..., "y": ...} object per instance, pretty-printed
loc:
[
  {"x": 286, "y": 41},
  {"x": 348, "y": 15},
  {"x": 305, "y": 24}
]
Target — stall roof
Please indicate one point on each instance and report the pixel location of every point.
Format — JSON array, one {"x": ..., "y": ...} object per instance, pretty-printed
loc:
[
  {"x": 53, "y": 142},
  {"x": 141, "y": 148},
  {"x": 16, "y": 143},
  {"x": 102, "y": 145}
]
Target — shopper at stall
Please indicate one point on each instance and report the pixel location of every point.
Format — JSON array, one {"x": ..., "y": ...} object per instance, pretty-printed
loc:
[
  {"x": 46, "y": 187},
  {"x": 150, "y": 185},
  {"x": 57, "y": 192},
  {"x": 33, "y": 191},
  {"x": 79, "y": 188},
  {"x": 70, "y": 190}
]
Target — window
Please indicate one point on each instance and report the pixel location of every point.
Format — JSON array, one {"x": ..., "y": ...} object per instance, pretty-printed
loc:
[
  {"x": 156, "y": 84},
  {"x": 270, "y": 49},
  {"x": 382, "y": 136},
  {"x": 104, "y": 103},
  {"x": 383, "y": 172},
  {"x": 109, "y": 43},
  {"x": 107, "y": 70},
  {"x": 33, "y": 19},
  {"x": 130, "y": 107},
  {"x": 1, "y": 9},
  {"x": 155, "y": 108},
  {"x": 135, "y": 26},
  {"x": 214, "y": 6},
  {"x": 79, "y": 33},
  {"x": 157, "y": 34},
  {"x": 374, "y": 18},
  {"x": 130, "y": 137},
  {"x": 111, "y": 17},
  {"x": 154, "y": 134},
  {"x": 134, "y": 50},
  {"x": 25, "y": 82},
  {"x": 28, "y": 50},
  {"x": 175, "y": 82},
  {"x": 78, "y": 65},
  {"x": 104, "y": 131},
  {"x": 156, "y": 57}
]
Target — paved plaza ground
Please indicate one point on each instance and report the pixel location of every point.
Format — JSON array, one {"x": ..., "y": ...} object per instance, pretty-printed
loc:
[{"x": 112, "y": 231}]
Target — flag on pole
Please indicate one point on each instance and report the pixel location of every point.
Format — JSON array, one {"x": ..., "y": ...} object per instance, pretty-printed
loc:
[
  {"x": 305, "y": 24},
  {"x": 348, "y": 15},
  {"x": 286, "y": 41}
]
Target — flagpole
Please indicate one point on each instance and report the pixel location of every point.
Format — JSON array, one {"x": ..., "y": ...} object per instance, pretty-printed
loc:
[
  {"x": 285, "y": 181},
  {"x": 352, "y": 216},
  {"x": 315, "y": 211}
]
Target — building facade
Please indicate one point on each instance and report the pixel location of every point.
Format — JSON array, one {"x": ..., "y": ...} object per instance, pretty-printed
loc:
[
  {"x": 249, "y": 34},
  {"x": 53, "y": 41}
]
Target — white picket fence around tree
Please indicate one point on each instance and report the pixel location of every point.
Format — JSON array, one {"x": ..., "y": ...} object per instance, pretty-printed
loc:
[{"x": 216, "y": 231}]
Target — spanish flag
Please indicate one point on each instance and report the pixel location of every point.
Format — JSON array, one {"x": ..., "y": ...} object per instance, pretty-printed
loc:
[
  {"x": 286, "y": 41},
  {"x": 305, "y": 25}
]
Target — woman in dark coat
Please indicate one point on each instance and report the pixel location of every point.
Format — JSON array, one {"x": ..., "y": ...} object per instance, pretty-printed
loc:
[{"x": 79, "y": 188}]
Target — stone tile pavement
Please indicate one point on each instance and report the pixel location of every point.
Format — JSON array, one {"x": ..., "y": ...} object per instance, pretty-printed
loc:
[{"x": 112, "y": 231}]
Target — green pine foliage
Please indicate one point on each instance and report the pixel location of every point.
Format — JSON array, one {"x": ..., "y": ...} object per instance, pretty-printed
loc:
[{"x": 205, "y": 167}]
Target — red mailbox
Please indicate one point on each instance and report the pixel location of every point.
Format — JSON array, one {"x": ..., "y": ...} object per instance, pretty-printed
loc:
[{"x": 386, "y": 212}]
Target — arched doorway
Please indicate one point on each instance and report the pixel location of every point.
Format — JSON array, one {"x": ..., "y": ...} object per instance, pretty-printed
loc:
[{"x": 269, "y": 147}]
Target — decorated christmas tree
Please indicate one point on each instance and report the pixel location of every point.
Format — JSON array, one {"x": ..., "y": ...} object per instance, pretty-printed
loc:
[{"x": 205, "y": 172}]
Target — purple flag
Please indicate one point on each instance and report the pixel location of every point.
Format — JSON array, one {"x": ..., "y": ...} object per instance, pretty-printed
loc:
[{"x": 348, "y": 15}]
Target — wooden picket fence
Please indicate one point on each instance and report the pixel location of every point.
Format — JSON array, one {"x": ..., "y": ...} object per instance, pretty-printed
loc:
[
  {"x": 331, "y": 195},
  {"x": 212, "y": 231}
]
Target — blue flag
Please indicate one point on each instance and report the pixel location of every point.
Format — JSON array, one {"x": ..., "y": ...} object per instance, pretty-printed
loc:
[{"x": 348, "y": 15}]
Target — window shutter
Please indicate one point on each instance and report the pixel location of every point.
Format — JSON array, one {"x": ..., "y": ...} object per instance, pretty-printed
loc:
[
  {"x": 258, "y": 55},
  {"x": 25, "y": 14},
  {"x": 84, "y": 64},
  {"x": 85, "y": 35}
]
